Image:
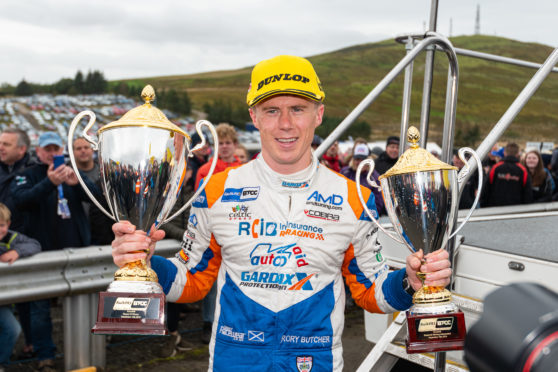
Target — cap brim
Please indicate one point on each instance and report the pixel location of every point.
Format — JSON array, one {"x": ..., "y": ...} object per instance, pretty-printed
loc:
[{"x": 295, "y": 92}]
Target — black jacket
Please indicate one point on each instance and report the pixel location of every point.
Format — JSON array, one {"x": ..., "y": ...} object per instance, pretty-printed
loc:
[
  {"x": 508, "y": 183},
  {"x": 33, "y": 192},
  {"x": 7, "y": 174},
  {"x": 384, "y": 163}
]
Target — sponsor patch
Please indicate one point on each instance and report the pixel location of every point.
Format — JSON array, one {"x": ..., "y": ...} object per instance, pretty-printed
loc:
[
  {"x": 264, "y": 254},
  {"x": 240, "y": 212},
  {"x": 183, "y": 257},
  {"x": 240, "y": 195},
  {"x": 304, "y": 363},
  {"x": 260, "y": 227},
  {"x": 295, "y": 185},
  {"x": 200, "y": 201},
  {"x": 275, "y": 280},
  {"x": 321, "y": 215},
  {"x": 230, "y": 333},
  {"x": 193, "y": 220},
  {"x": 333, "y": 199}
]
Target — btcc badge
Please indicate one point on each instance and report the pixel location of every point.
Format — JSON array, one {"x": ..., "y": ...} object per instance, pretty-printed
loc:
[{"x": 304, "y": 363}]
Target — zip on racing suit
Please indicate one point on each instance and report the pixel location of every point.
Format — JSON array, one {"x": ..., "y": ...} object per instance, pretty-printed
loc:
[{"x": 279, "y": 248}]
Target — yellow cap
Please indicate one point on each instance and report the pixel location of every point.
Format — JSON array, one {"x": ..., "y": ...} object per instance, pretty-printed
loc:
[{"x": 284, "y": 75}]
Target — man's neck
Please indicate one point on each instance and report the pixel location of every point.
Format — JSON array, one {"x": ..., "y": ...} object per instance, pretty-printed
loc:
[
  {"x": 85, "y": 167},
  {"x": 229, "y": 159}
]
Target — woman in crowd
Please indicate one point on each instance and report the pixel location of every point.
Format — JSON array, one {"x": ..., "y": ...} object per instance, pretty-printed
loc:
[{"x": 542, "y": 183}]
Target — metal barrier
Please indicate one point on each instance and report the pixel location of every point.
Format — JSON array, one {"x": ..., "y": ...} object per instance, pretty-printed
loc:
[{"x": 76, "y": 274}]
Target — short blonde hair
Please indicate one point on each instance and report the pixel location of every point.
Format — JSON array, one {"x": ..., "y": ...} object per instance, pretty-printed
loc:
[
  {"x": 226, "y": 131},
  {"x": 5, "y": 214}
]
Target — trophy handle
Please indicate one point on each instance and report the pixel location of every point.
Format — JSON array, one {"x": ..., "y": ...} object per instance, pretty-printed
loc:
[
  {"x": 200, "y": 145},
  {"x": 95, "y": 146},
  {"x": 461, "y": 176},
  {"x": 372, "y": 183}
]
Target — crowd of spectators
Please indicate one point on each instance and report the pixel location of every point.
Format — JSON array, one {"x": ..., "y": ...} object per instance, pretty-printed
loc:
[{"x": 42, "y": 207}]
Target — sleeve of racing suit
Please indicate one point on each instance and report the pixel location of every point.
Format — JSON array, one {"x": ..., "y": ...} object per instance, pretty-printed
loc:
[
  {"x": 372, "y": 286},
  {"x": 189, "y": 275}
]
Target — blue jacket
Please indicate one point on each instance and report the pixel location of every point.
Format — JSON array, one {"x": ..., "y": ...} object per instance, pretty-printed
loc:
[{"x": 33, "y": 192}]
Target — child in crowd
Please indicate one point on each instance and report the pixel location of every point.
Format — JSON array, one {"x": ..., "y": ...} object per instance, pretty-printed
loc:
[{"x": 13, "y": 245}]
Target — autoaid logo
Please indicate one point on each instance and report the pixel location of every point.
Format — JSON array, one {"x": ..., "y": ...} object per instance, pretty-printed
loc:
[
  {"x": 277, "y": 281},
  {"x": 322, "y": 215},
  {"x": 240, "y": 212},
  {"x": 331, "y": 202},
  {"x": 240, "y": 195},
  {"x": 264, "y": 254},
  {"x": 259, "y": 227}
]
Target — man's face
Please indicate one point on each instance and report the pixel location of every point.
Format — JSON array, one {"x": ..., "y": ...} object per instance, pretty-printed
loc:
[
  {"x": 226, "y": 149},
  {"x": 47, "y": 153},
  {"x": 392, "y": 150},
  {"x": 286, "y": 125},
  {"x": 4, "y": 225},
  {"x": 82, "y": 151},
  {"x": 10, "y": 152}
]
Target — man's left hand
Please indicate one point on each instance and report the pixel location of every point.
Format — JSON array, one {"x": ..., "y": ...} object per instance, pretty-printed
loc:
[{"x": 436, "y": 265}]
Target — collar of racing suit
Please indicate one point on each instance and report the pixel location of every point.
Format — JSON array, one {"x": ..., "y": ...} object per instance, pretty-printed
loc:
[{"x": 294, "y": 182}]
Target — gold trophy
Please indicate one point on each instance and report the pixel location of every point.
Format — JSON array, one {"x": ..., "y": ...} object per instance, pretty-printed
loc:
[
  {"x": 421, "y": 197},
  {"x": 143, "y": 161}
]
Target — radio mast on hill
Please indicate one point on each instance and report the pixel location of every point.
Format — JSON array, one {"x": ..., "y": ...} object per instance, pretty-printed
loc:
[{"x": 477, "y": 21}]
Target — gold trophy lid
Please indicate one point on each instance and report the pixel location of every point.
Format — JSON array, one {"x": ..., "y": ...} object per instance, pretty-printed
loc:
[
  {"x": 416, "y": 159},
  {"x": 145, "y": 115}
]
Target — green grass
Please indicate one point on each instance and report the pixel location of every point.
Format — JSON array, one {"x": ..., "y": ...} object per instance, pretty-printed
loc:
[{"x": 486, "y": 89}]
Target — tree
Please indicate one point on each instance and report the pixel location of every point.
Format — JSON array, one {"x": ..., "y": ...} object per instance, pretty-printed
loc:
[
  {"x": 78, "y": 82},
  {"x": 23, "y": 89},
  {"x": 218, "y": 111},
  {"x": 64, "y": 86},
  {"x": 358, "y": 129}
]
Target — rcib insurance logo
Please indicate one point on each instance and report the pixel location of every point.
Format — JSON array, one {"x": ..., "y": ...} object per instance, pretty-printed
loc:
[{"x": 240, "y": 195}]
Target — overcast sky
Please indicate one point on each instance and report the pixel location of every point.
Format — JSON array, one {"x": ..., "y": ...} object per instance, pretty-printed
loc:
[{"x": 45, "y": 40}]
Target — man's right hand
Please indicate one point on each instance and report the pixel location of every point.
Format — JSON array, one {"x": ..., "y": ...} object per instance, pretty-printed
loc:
[
  {"x": 56, "y": 176},
  {"x": 131, "y": 245}
]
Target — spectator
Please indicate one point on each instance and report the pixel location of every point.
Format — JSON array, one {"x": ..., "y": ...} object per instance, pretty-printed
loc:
[
  {"x": 541, "y": 180},
  {"x": 227, "y": 145},
  {"x": 13, "y": 245},
  {"x": 359, "y": 153},
  {"x": 14, "y": 157},
  {"x": 494, "y": 156},
  {"x": 99, "y": 223},
  {"x": 508, "y": 182},
  {"x": 331, "y": 158},
  {"x": 241, "y": 154},
  {"x": 388, "y": 158},
  {"x": 200, "y": 158},
  {"x": 470, "y": 189},
  {"x": 52, "y": 197}
]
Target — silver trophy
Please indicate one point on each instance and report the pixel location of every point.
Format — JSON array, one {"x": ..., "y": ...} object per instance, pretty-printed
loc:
[
  {"x": 421, "y": 197},
  {"x": 143, "y": 162}
]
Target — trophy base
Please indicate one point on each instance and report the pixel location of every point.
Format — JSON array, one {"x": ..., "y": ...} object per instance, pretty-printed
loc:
[
  {"x": 141, "y": 312},
  {"x": 435, "y": 332}
]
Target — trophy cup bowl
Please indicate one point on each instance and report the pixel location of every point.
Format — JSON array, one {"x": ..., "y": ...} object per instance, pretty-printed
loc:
[
  {"x": 421, "y": 195},
  {"x": 143, "y": 163}
]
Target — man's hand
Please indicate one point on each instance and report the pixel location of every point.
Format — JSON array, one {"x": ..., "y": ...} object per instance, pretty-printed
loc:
[
  {"x": 56, "y": 176},
  {"x": 436, "y": 265},
  {"x": 71, "y": 178},
  {"x": 131, "y": 245},
  {"x": 9, "y": 257}
]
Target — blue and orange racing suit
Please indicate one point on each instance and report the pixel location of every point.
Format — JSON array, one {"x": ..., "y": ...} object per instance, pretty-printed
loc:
[{"x": 279, "y": 248}]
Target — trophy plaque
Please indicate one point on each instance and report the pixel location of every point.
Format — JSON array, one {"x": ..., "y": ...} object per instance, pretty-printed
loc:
[
  {"x": 421, "y": 198},
  {"x": 143, "y": 162}
]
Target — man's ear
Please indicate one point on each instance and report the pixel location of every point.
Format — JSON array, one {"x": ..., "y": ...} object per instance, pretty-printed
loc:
[
  {"x": 252, "y": 112},
  {"x": 319, "y": 115}
]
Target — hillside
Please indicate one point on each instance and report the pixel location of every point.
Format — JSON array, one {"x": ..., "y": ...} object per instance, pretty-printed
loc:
[{"x": 486, "y": 88}]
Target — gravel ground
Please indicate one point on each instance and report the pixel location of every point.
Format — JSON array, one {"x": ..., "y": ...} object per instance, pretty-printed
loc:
[{"x": 136, "y": 353}]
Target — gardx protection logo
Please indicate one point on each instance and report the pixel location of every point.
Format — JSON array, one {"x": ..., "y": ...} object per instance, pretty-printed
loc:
[{"x": 275, "y": 280}]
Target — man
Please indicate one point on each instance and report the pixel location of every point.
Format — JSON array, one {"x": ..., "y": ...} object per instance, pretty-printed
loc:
[
  {"x": 508, "y": 182},
  {"x": 226, "y": 158},
  {"x": 388, "y": 158},
  {"x": 99, "y": 223},
  {"x": 279, "y": 234},
  {"x": 14, "y": 144}
]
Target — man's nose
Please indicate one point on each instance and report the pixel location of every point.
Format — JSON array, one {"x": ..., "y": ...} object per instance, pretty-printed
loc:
[{"x": 284, "y": 120}]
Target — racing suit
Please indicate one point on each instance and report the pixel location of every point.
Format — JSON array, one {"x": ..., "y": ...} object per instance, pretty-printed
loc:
[{"x": 279, "y": 248}]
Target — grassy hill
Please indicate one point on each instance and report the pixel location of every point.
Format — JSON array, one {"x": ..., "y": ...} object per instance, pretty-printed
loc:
[{"x": 486, "y": 88}]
